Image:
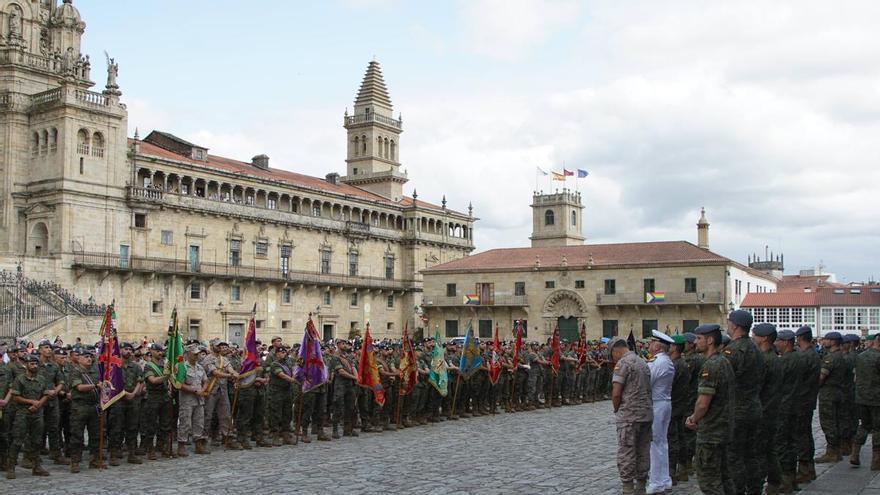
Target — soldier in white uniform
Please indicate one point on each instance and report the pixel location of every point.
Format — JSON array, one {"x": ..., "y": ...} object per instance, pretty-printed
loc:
[{"x": 662, "y": 375}]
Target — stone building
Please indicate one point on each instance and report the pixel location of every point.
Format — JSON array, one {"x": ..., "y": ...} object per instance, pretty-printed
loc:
[
  {"x": 159, "y": 222},
  {"x": 672, "y": 286}
]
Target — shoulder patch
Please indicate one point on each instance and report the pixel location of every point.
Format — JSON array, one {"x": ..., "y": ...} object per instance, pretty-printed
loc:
[
  {"x": 728, "y": 352},
  {"x": 705, "y": 374}
]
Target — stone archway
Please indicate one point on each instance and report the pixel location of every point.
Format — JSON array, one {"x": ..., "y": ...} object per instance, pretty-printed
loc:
[{"x": 563, "y": 308}]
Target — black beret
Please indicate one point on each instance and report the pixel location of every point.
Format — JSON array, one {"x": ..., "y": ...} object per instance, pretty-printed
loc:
[
  {"x": 834, "y": 336},
  {"x": 707, "y": 328},
  {"x": 785, "y": 335},
  {"x": 31, "y": 358},
  {"x": 851, "y": 337},
  {"x": 126, "y": 345},
  {"x": 741, "y": 318},
  {"x": 690, "y": 337},
  {"x": 764, "y": 329},
  {"x": 804, "y": 330}
]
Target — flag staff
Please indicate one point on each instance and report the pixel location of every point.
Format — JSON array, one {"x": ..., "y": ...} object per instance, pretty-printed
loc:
[{"x": 299, "y": 407}]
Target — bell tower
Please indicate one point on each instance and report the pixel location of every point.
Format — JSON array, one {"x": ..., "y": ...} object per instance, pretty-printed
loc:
[
  {"x": 557, "y": 219},
  {"x": 373, "y": 161}
]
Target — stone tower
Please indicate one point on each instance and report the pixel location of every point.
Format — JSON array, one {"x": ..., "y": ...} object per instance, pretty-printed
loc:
[
  {"x": 557, "y": 219},
  {"x": 374, "y": 139},
  {"x": 64, "y": 148},
  {"x": 703, "y": 230}
]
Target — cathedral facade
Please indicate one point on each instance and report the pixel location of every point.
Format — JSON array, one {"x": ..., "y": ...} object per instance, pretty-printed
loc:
[{"x": 156, "y": 222}]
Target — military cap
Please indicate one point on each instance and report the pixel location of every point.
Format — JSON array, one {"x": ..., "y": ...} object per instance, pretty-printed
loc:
[
  {"x": 871, "y": 336},
  {"x": 155, "y": 346},
  {"x": 678, "y": 339},
  {"x": 661, "y": 337},
  {"x": 764, "y": 329},
  {"x": 44, "y": 342},
  {"x": 785, "y": 335},
  {"x": 834, "y": 336},
  {"x": 88, "y": 350},
  {"x": 60, "y": 352},
  {"x": 689, "y": 337},
  {"x": 804, "y": 330},
  {"x": 707, "y": 328},
  {"x": 203, "y": 348},
  {"x": 31, "y": 358},
  {"x": 276, "y": 338},
  {"x": 615, "y": 340},
  {"x": 850, "y": 337},
  {"x": 281, "y": 348},
  {"x": 126, "y": 345},
  {"x": 192, "y": 348},
  {"x": 741, "y": 318},
  {"x": 221, "y": 342}
]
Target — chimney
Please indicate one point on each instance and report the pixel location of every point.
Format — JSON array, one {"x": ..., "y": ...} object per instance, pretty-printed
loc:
[
  {"x": 332, "y": 178},
  {"x": 260, "y": 161}
]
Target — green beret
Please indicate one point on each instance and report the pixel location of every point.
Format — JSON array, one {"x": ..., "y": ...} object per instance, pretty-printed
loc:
[
  {"x": 678, "y": 339},
  {"x": 871, "y": 336}
]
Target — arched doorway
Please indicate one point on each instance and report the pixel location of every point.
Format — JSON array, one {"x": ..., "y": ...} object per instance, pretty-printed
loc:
[
  {"x": 568, "y": 328},
  {"x": 564, "y": 308},
  {"x": 39, "y": 240}
]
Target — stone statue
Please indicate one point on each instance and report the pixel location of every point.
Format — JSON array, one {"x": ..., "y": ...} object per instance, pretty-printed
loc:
[
  {"x": 112, "y": 72},
  {"x": 14, "y": 25},
  {"x": 69, "y": 59}
]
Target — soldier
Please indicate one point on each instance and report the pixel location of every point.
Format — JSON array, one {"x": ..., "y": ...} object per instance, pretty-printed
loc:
[
  {"x": 344, "y": 380},
  {"x": 867, "y": 399},
  {"x": 84, "y": 392},
  {"x": 249, "y": 408},
  {"x": 748, "y": 369},
  {"x": 14, "y": 368},
  {"x": 681, "y": 407},
  {"x": 764, "y": 337},
  {"x": 535, "y": 374},
  {"x": 633, "y": 413},
  {"x": 53, "y": 381},
  {"x": 807, "y": 390},
  {"x": 787, "y": 418},
  {"x": 280, "y": 396},
  {"x": 191, "y": 416},
  {"x": 124, "y": 413},
  {"x": 713, "y": 416},
  {"x": 662, "y": 376},
  {"x": 219, "y": 370},
  {"x": 156, "y": 424},
  {"x": 849, "y": 412},
  {"x": 30, "y": 393},
  {"x": 64, "y": 366},
  {"x": 388, "y": 364},
  {"x": 314, "y": 405},
  {"x": 832, "y": 383},
  {"x": 5, "y": 397}
]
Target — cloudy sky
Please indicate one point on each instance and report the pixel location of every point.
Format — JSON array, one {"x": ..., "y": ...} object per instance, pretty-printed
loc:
[{"x": 766, "y": 113}]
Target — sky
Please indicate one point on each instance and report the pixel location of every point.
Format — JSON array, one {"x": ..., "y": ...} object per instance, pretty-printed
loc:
[{"x": 765, "y": 113}]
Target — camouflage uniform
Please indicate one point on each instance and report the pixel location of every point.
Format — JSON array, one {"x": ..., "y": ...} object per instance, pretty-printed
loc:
[
  {"x": 633, "y": 418},
  {"x": 748, "y": 369},
  {"x": 715, "y": 430}
]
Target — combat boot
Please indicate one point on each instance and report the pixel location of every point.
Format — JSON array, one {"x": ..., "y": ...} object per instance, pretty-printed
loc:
[
  {"x": 114, "y": 457},
  {"x": 875, "y": 459},
  {"x": 58, "y": 457},
  {"x": 246, "y": 444},
  {"x": 286, "y": 438},
  {"x": 640, "y": 487},
  {"x": 27, "y": 463},
  {"x": 682, "y": 473},
  {"x": 322, "y": 435},
  {"x": 201, "y": 447},
  {"x": 10, "y": 469},
  {"x": 181, "y": 449},
  {"x": 133, "y": 457},
  {"x": 277, "y": 441},
  {"x": 391, "y": 426},
  {"x": 167, "y": 450},
  {"x": 627, "y": 488},
  {"x": 803, "y": 474},
  {"x": 74, "y": 462},
  {"x": 854, "y": 454},
  {"x": 38, "y": 469},
  {"x": 95, "y": 462},
  {"x": 261, "y": 441},
  {"x": 151, "y": 453},
  {"x": 832, "y": 454},
  {"x": 787, "y": 485},
  {"x": 305, "y": 437},
  {"x": 811, "y": 468},
  {"x": 335, "y": 434}
]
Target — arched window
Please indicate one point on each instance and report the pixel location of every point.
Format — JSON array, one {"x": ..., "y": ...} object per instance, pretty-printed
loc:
[
  {"x": 378, "y": 146},
  {"x": 574, "y": 219},
  {"x": 98, "y": 144},
  {"x": 53, "y": 140},
  {"x": 39, "y": 240},
  {"x": 357, "y": 145},
  {"x": 44, "y": 142},
  {"x": 35, "y": 144},
  {"x": 364, "y": 144},
  {"x": 82, "y": 142},
  {"x": 385, "y": 149},
  {"x": 393, "y": 155},
  {"x": 548, "y": 217}
]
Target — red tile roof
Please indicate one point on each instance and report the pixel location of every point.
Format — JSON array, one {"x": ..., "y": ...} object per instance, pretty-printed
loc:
[
  {"x": 798, "y": 283},
  {"x": 247, "y": 169},
  {"x": 596, "y": 255},
  {"x": 823, "y": 296},
  {"x": 779, "y": 300}
]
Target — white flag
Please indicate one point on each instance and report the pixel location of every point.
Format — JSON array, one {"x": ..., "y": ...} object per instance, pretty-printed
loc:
[{"x": 541, "y": 171}]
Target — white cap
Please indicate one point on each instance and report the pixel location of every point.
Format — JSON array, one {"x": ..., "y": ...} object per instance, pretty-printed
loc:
[{"x": 662, "y": 337}]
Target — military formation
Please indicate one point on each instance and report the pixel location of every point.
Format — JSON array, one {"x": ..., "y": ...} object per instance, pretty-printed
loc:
[
  {"x": 743, "y": 404},
  {"x": 50, "y": 398}
]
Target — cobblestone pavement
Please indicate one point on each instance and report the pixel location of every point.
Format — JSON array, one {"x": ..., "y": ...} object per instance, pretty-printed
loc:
[{"x": 563, "y": 450}]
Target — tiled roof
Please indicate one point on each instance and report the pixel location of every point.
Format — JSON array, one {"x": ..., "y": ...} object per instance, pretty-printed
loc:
[
  {"x": 798, "y": 283},
  {"x": 596, "y": 255},
  {"x": 849, "y": 296},
  {"x": 779, "y": 300},
  {"x": 823, "y": 296},
  {"x": 247, "y": 169}
]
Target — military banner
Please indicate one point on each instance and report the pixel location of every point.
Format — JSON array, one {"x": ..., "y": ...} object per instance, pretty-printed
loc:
[
  {"x": 438, "y": 376},
  {"x": 175, "y": 367},
  {"x": 368, "y": 370},
  {"x": 409, "y": 368},
  {"x": 310, "y": 369},
  {"x": 470, "y": 355},
  {"x": 110, "y": 362}
]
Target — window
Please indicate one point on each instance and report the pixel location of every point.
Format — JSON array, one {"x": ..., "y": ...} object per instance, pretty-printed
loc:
[
  {"x": 579, "y": 284},
  {"x": 450, "y": 290},
  {"x": 390, "y": 302},
  {"x": 649, "y": 285},
  {"x": 325, "y": 261},
  {"x": 738, "y": 287},
  {"x": 748, "y": 287},
  {"x": 574, "y": 219},
  {"x": 167, "y": 237},
  {"x": 452, "y": 328},
  {"x": 485, "y": 329},
  {"x": 610, "y": 286},
  {"x": 284, "y": 255},
  {"x": 316, "y": 210},
  {"x": 200, "y": 155},
  {"x": 690, "y": 285},
  {"x": 156, "y": 306},
  {"x": 550, "y": 284},
  {"x": 609, "y": 328},
  {"x": 194, "y": 329},
  {"x": 354, "y": 171},
  {"x": 184, "y": 189},
  {"x": 195, "y": 290},
  {"x": 519, "y": 288},
  {"x": 689, "y": 325},
  {"x": 327, "y": 299},
  {"x": 259, "y": 323},
  {"x": 140, "y": 220},
  {"x": 235, "y": 293},
  {"x": 285, "y": 296},
  {"x": 548, "y": 217},
  {"x": 389, "y": 268},
  {"x": 235, "y": 252},
  {"x": 262, "y": 249},
  {"x": 354, "y": 299},
  {"x": 285, "y": 324},
  {"x": 271, "y": 203},
  {"x": 352, "y": 264},
  {"x": 389, "y": 326},
  {"x": 81, "y": 166}
]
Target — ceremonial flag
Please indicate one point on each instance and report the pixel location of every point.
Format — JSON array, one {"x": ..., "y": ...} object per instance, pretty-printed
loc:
[
  {"x": 252, "y": 360},
  {"x": 495, "y": 359},
  {"x": 368, "y": 370},
  {"x": 438, "y": 375},
  {"x": 542, "y": 171},
  {"x": 517, "y": 346},
  {"x": 631, "y": 341},
  {"x": 582, "y": 173},
  {"x": 567, "y": 173},
  {"x": 175, "y": 368},
  {"x": 554, "y": 347},
  {"x": 109, "y": 362},
  {"x": 470, "y": 355},
  {"x": 558, "y": 176},
  {"x": 582, "y": 346},
  {"x": 310, "y": 370},
  {"x": 409, "y": 368}
]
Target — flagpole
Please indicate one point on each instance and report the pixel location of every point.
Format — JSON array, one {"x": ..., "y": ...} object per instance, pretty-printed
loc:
[
  {"x": 455, "y": 395},
  {"x": 399, "y": 400},
  {"x": 101, "y": 420}
]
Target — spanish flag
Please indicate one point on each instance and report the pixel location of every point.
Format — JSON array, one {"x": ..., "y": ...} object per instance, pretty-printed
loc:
[{"x": 558, "y": 176}]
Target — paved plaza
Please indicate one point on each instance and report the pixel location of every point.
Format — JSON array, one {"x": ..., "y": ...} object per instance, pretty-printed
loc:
[{"x": 563, "y": 450}]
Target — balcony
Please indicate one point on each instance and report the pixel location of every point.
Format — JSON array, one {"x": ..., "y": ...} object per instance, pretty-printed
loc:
[
  {"x": 372, "y": 117},
  {"x": 168, "y": 266},
  {"x": 672, "y": 298},
  {"x": 497, "y": 301}
]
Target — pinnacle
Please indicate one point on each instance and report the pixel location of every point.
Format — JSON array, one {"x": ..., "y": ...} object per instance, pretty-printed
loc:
[{"x": 373, "y": 90}]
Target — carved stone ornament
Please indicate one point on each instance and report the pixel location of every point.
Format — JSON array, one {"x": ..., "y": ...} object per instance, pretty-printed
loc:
[{"x": 566, "y": 304}]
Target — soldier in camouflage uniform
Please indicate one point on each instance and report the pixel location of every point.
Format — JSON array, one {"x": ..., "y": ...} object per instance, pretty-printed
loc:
[
  {"x": 84, "y": 391},
  {"x": 29, "y": 392},
  {"x": 344, "y": 377},
  {"x": 832, "y": 380},
  {"x": 748, "y": 368},
  {"x": 13, "y": 369},
  {"x": 633, "y": 414},
  {"x": 713, "y": 416},
  {"x": 53, "y": 381},
  {"x": 771, "y": 391},
  {"x": 125, "y": 412},
  {"x": 807, "y": 390},
  {"x": 849, "y": 412},
  {"x": 389, "y": 372},
  {"x": 157, "y": 412},
  {"x": 867, "y": 399},
  {"x": 680, "y": 409},
  {"x": 250, "y": 405},
  {"x": 64, "y": 366},
  {"x": 787, "y": 417},
  {"x": 280, "y": 398}
]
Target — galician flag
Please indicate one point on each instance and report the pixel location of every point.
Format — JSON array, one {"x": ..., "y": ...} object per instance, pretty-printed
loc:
[
  {"x": 368, "y": 370},
  {"x": 438, "y": 376},
  {"x": 109, "y": 361},
  {"x": 470, "y": 355},
  {"x": 175, "y": 367},
  {"x": 310, "y": 370}
]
